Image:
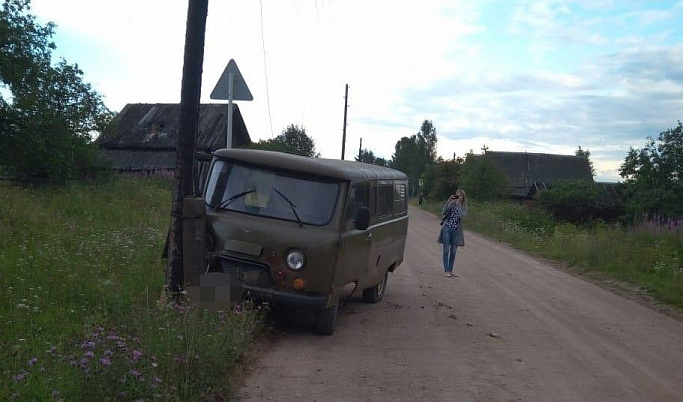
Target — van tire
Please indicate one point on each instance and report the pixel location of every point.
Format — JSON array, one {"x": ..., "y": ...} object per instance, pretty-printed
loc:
[
  {"x": 375, "y": 294},
  {"x": 326, "y": 320}
]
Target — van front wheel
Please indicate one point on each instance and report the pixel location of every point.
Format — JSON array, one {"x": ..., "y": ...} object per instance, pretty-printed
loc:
[
  {"x": 376, "y": 293},
  {"x": 326, "y": 320}
]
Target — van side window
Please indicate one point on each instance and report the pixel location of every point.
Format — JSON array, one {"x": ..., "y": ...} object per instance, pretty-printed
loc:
[
  {"x": 385, "y": 200},
  {"x": 357, "y": 198},
  {"x": 400, "y": 205}
]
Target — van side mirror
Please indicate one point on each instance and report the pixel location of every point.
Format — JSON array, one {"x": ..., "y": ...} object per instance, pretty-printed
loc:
[{"x": 362, "y": 219}]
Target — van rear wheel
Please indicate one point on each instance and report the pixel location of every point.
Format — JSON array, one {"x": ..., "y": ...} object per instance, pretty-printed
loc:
[
  {"x": 376, "y": 293},
  {"x": 326, "y": 319}
]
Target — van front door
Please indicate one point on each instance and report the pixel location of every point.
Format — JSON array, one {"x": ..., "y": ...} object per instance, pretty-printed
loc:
[{"x": 353, "y": 261}]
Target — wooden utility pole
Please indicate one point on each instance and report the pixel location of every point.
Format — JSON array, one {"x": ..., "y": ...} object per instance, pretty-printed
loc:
[
  {"x": 190, "y": 93},
  {"x": 346, "y": 106},
  {"x": 360, "y": 148}
]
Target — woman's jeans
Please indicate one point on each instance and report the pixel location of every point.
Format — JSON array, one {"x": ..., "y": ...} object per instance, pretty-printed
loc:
[{"x": 449, "y": 247}]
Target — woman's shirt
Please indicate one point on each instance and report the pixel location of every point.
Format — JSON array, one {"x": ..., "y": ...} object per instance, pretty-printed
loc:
[{"x": 453, "y": 217}]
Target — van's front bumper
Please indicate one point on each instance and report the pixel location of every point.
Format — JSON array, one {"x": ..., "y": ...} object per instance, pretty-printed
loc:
[{"x": 288, "y": 298}]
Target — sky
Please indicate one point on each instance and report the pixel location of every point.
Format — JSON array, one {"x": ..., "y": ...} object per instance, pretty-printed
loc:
[{"x": 539, "y": 76}]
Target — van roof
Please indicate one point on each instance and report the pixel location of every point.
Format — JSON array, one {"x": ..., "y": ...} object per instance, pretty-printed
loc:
[{"x": 348, "y": 170}]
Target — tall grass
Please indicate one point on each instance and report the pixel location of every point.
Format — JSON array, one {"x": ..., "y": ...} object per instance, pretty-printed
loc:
[
  {"x": 652, "y": 260},
  {"x": 81, "y": 311}
]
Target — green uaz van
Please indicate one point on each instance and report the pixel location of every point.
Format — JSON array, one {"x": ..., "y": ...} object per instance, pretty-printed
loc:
[{"x": 298, "y": 231}]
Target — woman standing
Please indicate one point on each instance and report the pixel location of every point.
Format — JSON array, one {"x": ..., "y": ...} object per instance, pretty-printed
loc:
[{"x": 452, "y": 235}]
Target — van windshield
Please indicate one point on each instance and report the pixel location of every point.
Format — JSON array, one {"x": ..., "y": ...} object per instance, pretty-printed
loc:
[{"x": 257, "y": 191}]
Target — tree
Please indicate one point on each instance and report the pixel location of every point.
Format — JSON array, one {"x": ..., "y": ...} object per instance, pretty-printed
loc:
[
  {"x": 365, "y": 156},
  {"x": 586, "y": 154},
  {"x": 413, "y": 154},
  {"x": 426, "y": 140},
  {"x": 654, "y": 175},
  {"x": 50, "y": 114},
  {"x": 482, "y": 178},
  {"x": 292, "y": 140},
  {"x": 403, "y": 159},
  {"x": 442, "y": 178}
]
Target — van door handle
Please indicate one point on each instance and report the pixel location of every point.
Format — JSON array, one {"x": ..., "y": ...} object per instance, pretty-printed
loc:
[{"x": 368, "y": 236}]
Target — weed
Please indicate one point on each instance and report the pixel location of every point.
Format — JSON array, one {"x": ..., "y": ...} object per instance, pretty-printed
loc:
[{"x": 79, "y": 308}]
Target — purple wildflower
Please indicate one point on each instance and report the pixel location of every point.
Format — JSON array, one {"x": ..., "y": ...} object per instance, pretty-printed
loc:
[
  {"x": 20, "y": 377},
  {"x": 53, "y": 350},
  {"x": 112, "y": 337},
  {"x": 32, "y": 362},
  {"x": 89, "y": 354},
  {"x": 134, "y": 373},
  {"x": 55, "y": 393},
  {"x": 156, "y": 380},
  {"x": 108, "y": 353},
  {"x": 84, "y": 363},
  {"x": 136, "y": 356},
  {"x": 88, "y": 345},
  {"x": 105, "y": 361}
]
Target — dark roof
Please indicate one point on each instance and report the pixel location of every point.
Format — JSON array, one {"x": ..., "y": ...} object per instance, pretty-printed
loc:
[
  {"x": 143, "y": 136},
  {"x": 525, "y": 170},
  {"x": 335, "y": 168}
]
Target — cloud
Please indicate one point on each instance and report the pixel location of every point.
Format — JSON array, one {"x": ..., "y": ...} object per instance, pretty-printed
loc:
[{"x": 534, "y": 76}]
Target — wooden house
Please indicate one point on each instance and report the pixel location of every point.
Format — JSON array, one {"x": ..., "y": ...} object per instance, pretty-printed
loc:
[
  {"x": 142, "y": 138},
  {"x": 529, "y": 173}
]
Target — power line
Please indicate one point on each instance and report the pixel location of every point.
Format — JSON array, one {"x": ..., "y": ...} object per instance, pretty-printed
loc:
[{"x": 265, "y": 71}]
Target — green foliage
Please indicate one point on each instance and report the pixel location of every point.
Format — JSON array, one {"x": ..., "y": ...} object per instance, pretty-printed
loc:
[
  {"x": 81, "y": 281},
  {"x": 413, "y": 154},
  {"x": 367, "y": 156},
  {"x": 482, "y": 178},
  {"x": 654, "y": 175},
  {"x": 586, "y": 154},
  {"x": 51, "y": 113},
  {"x": 292, "y": 140},
  {"x": 441, "y": 179},
  {"x": 571, "y": 200}
]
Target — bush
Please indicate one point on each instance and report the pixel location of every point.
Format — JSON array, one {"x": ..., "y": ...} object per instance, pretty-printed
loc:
[{"x": 571, "y": 200}]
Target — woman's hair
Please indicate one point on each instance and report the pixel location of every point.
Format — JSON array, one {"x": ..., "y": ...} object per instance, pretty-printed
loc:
[{"x": 461, "y": 193}]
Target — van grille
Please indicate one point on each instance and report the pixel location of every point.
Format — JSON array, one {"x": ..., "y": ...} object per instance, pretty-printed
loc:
[{"x": 247, "y": 272}]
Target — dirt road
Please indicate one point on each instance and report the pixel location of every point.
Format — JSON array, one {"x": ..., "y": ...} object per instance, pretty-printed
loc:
[{"x": 509, "y": 327}]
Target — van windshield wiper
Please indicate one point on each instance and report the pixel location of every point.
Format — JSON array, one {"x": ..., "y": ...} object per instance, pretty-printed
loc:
[
  {"x": 227, "y": 202},
  {"x": 291, "y": 205}
]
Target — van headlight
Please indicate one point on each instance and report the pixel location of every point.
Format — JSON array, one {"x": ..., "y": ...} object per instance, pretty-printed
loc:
[{"x": 296, "y": 259}]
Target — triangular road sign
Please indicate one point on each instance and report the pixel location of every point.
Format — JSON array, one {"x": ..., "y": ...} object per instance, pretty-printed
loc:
[{"x": 240, "y": 91}]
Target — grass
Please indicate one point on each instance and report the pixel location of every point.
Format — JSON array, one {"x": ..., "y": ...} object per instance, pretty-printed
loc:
[
  {"x": 651, "y": 260},
  {"x": 81, "y": 306}
]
